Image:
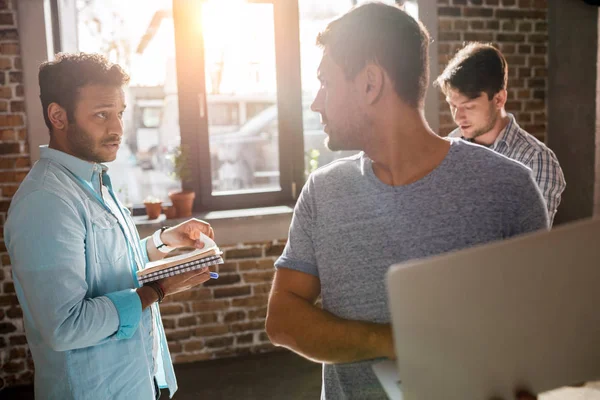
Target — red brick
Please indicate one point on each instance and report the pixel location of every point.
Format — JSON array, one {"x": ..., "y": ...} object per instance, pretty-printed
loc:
[
  {"x": 9, "y": 49},
  {"x": 478, "y": 36},
  {"x": 525, "y": 72},
  {"x": 231, "y": 292},
  {"x": 444, "y": 25},
  {"x": 227, "y": 267},
  {"x": 8, "y": 300},
  {"x": 244, "y": 339},
  {"x": 449, "y": 36},
  {"x": 461, "y": 25},
  {"x": 168, "y": 324},
  {"x": 194, "y": 345},
  {"x": 225, "y": 279},
  {"x": 8, "y": 135},
  {"x": 5, "y": 93},
  {"x": 14, "y": 312},
  {"x": 17, "y": 353},
  {"x": 17, "y": 340},
  {"x": 9, "y": 287},
  {"x": 255, "y": 301},
  {"x": 259, "y": 277},
  {"x": 212, "y": 330},
  {"x": 22, "y": 162},
  {"x": 477, "y": 25},
  {"x": 263, "y": 337},
  {"x": 478, "y": 12},
  {"x": 539, "y": 94},
  {"x": 492, "y": 25},
  {"x": 5, "y": 62},
  {"x": 188, "y": 358},
  {"x": 520, "y": 14},
  {"x": 4, "y": 207},
  {"x": 449, "y": 11},
  {"x": 179, "y": 335},
  {"x": 17, "y": 106},
  {"x": 186, "y": 321},
  {"x": 509, "y": 26},
  {"x": 515, "y": 60},
  {"x": 7, "y": 327},
  {"x": 15, "y": 77},
  {"x": 219, "y": 342},
  {"x": 10, "y": 119},
  {"x": 17, "y": 63},
  {"x": 537, "y": 61},
  {"x": 175, "y": 347},
  {"x": 248, "y": 326},
  {"x": 525, "y": 3},
  {"x": 6, "y": 19},
  {"x": 256, "y": 314},
  {"x": 171, "y": 309},
  {"x": 507, "y": 48},
  {"x": 19, "y": 91},
  {"x": 207, "y": 318},
  {"x": 252, "y": 252},
  {"x": 235, "y": 316},
  {"x": 510, "y": 37},
  {"x": 13, "y": 367},
  {"x": 9, "y": 34}
]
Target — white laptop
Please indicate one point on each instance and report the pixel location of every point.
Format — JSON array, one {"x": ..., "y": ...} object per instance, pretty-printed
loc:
[{"x": 477, "y": 323}]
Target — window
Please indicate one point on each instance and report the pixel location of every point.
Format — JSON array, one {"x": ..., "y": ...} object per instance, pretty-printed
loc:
[{"x": 228, "y": 81}]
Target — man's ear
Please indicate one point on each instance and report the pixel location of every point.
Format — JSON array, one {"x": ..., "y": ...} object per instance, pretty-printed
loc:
[
  {"x": 374, "y": 80},
  {"x": 500, "y": 99},
  {"x": 58, "y": 116}
]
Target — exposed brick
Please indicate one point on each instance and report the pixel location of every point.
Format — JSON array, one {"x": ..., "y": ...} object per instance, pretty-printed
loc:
[
  {"x": 449, "y": 11},
  {"x": 2, "y": 345},
  {"x": 510, "y": 37},
  {"x": 17, "y": 353},
  {"x": 170, "y": 309},
  {"x": 478, "y": 36},
  {"x": 449, "y": 36},
  {"x": 227, "y": 267},
  {"x": 22, "y": 162},
  {"x": 255, "y": 301},
  {"x": 492, "y": 2},
  {"x": 537, "y": 61},
  {"x": 179, "y": 335},
  {"x": 3, "y": 105},
  {"x": 509, "y": 26},
  {"x": 232, "y": 292},
  {"x": 219, "y": 342},
  {"x": 540, "y": 95},
  {"x": 248, "y": 326},
  {"x": 1, "y": 314},
  {"x": 525, "y": 26},
  {"x": 17, "y": 340},
  {"x": 194, "y": 345},
  {"x": 255, "y": 314},
  {"x": 188, "y": 358},
  {"x": 175, "y": 347},
  {"x": 520, "y": 14},
  {"x": 252, "y": 252},
  {"x": 9, "y": 49},
  {"x": 227, "y": 279},
  {"x": 535, "y": 105},
  {"x": 537, "y": 83},
  {"x": 189, "y": 295},
  {"x": 6, "y": 19},
  {"x": 8, "y": 34},
  {"x": 515, "y": 59},
  {"x": 8, "y": 135},
  {"x": 461, "y": 25},
  {"x": 10, "y": 119},
  {"x": 8, "y": 300},
  {"x": 263, "y": 337},
  {"x": 212, "y": 330},
  {"x": 492, "y": 25},
  {"x": 478, "y": 12},
  {"x": 213, "y": 305},
  {"x": 15, "y": 312},
  {"x": 207, "y": 318},
  {"x": 444, "y": 25},
  {"x": 263, "y": 288},
  {"x": 186, "y": 321},
  {"x": 244, "y": 339},
  {"x": 168, "y": 323},
  {"x": 15, "y": 77},
  {"x": 235, "y": 316},
  {"x": 17, "y": 106},
  {"x": 258, "y": 277},
  {"x": 19, "y": 91},
  {"x": 7, "y": 327},
  {"x": 13, "y": 367}
]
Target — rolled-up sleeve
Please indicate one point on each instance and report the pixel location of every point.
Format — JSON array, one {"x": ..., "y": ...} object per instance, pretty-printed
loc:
[{"x": 45, "y": 237}]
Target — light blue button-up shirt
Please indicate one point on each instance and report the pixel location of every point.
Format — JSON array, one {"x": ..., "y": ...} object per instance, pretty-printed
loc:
[{"x": 74, "y": 275}]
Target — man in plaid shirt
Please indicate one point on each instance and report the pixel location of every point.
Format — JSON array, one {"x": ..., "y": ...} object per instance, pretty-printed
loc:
[{"x": 474, "y": 83}]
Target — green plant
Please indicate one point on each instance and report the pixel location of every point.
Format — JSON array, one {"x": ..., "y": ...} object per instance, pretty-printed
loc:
[
  {"x": 180, "y": 159},
  {"x": 311, "y": 161}
]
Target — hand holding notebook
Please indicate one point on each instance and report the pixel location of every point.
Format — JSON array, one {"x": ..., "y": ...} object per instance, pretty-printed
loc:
[{"x": 209, "y": 255}]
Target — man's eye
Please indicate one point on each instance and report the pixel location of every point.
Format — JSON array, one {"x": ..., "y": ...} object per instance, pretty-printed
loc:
[
  {"x": 121, "y": 115},
  {"x": 102, "y": 115}
]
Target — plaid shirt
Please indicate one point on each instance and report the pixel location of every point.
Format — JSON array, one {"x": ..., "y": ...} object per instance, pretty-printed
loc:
[{"x": 515, "y": 143}]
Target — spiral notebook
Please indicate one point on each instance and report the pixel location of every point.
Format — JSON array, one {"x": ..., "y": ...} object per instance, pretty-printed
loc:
[{"x": 179, "y": 264}]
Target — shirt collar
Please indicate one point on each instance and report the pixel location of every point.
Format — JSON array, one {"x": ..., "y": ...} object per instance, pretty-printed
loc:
[
  {"x": 508, "y": 134},
  {"x": 80, "y": 168}
]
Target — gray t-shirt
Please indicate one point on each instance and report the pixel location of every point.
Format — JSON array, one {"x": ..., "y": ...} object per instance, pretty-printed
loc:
[{"x": 349, "y": 227}]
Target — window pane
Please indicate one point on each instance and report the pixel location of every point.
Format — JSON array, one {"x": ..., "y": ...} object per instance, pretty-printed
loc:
[
  {"x": 314, "y": 17},
  {"x": 138, "y": 34},
  {"x": 239, "y": 56}
]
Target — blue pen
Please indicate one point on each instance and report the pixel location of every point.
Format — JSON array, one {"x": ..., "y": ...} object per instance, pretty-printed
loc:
[{"x": 214, "y": 275}]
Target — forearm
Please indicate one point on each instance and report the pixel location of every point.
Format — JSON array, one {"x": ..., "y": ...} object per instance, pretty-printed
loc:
[
  {"x": 321, "y": 336},
  {"x": 153, "y": 253}
]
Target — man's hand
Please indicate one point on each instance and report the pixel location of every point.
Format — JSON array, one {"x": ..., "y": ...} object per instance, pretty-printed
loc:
[
  {"x": 187, "y": 234},
  {"x": 172, "y": 285},
  {"x": 185, "y": 281}
]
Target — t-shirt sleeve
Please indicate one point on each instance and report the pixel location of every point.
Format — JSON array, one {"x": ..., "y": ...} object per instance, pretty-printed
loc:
[
  {"x": 530, "y": 211},
  {"x": 299, "y": 252}
]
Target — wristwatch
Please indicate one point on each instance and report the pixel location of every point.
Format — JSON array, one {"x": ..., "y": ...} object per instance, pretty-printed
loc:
[{"x": 163, "y": 248}]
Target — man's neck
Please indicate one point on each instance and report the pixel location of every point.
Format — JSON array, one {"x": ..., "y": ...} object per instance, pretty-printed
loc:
[
  {"x": 404, "y": 149},
  {"x": 490, "y": 137}
]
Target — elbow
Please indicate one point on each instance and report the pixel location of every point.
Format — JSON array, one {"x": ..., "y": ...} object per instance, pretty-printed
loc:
[
  {"x": 275, "y": 328},
  {"x": 58, "y": 342}
]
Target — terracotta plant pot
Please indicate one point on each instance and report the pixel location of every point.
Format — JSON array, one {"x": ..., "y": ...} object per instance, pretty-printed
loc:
[
  {"x": 183, "y": 202},
  {"x": 153, "y": 209},
  {"x": 170, "y": 212}
]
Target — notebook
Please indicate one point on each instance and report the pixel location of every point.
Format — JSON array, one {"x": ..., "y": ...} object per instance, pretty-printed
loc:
[{"x": 172, "y": 266}]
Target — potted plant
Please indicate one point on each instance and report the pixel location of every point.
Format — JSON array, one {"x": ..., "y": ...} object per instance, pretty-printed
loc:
[
  {"x": 182, "y": 200},
  {"x": 153, "y": 207}
]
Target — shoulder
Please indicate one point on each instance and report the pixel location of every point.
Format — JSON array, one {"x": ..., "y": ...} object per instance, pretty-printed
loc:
[
  {"x": 529, "y": 149},
  {"x": 484, "y": 161}
]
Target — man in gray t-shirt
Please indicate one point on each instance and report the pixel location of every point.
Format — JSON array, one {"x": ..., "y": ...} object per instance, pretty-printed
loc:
[{"x": 409, "y": 194}]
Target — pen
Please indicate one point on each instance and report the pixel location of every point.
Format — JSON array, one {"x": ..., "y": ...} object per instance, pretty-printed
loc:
[{"x": 214, "y": 275}]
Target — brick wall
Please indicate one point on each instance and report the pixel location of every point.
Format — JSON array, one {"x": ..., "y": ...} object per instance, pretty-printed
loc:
[
  {"x": 15, "y": 360},
  {"x": 226, "y": 317},
  {"x": 519, "y": 29}
]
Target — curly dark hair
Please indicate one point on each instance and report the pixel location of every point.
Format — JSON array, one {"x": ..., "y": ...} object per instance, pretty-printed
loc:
[
  {"x": 61, "y": 79},
  {"x": 386, "y": 35},
  {"x": 476, "y": 68}
]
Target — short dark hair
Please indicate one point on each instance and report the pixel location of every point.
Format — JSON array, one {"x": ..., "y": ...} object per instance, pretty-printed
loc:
[
  {"x": 386, "y": 35},
  {"x": 61, "y": 79},
  {"x": 476, "y": 68}
]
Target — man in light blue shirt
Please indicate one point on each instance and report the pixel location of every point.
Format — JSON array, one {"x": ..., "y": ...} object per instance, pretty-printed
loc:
[{"x": 93, "y": 332}]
